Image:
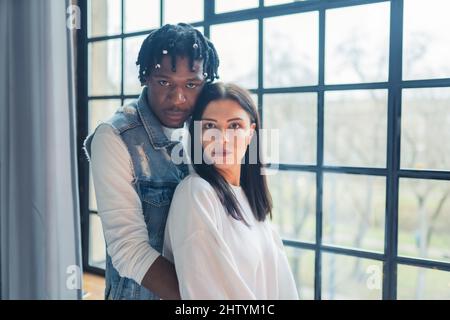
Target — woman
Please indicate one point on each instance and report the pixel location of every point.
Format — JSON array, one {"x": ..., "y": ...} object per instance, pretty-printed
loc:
[{"x": 217, "y": 232}]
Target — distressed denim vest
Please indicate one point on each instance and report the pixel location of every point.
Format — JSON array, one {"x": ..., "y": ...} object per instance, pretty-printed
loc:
[{"x": 155, "y": 180}]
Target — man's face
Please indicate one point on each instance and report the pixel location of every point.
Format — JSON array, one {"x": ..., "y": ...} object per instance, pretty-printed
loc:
[{"x": 172, "y": 95}]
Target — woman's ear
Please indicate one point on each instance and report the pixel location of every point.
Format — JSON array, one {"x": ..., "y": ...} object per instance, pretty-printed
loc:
[
  {"x": 253, "y": 128},
  {"x": 252, "y": 132}
]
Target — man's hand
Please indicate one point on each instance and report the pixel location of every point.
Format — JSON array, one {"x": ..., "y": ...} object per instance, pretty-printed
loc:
[{"x": 161, "y": 279}]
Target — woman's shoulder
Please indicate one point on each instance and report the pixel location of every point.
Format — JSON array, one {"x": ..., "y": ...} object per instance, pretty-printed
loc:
[
  {"x": 195, "y": 190},
  {"x": 195, "y": 201},
  {"x": 193, "y": 183}
]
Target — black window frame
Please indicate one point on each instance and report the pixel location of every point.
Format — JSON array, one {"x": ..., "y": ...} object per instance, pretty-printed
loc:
[{"x": 392, "y": 172}]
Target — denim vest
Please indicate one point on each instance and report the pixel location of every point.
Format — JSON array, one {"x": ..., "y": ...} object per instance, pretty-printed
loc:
[{"x": 155, "y": 180}]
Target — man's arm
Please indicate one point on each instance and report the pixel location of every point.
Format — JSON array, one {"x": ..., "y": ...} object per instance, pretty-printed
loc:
[
  {"x": 120, "y": 211},
  {"x": 161, "y": 278}
]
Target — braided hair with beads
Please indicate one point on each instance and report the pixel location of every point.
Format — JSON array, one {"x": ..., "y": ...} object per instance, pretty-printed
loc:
[{"x": 177, "y": 40}]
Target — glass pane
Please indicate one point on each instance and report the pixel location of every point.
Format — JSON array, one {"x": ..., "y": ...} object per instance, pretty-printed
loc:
[
  {"x": 275, "y": 2},
  {"x": 357, "y": 44},
  {"x": 354, "y": 211},
  {"x": 291, "y": 58},
  {"x": 424, "y": 219},
  {"x": 131, "y": 70},
  {"x": 127, "y": 101},
  {"x": 237, "y": 46},
  {"x": 302, "y": 266},
  {"x": 141, "y": 15},
  {"x": 104, "y": 65},
  {"x": 295, "y": 116},
  {"x": 425, "y": 128},
  {"x": 176, "y": 11},
  {"x": 355, "y": 128},
  {"x": 234, "y": 5},
  {"x": 426, "y": 41},
  {"x": 350, "y": 278},
  {"x": 254, "y": 97},
  {"x": 201, "y": 29},
  {"x": 101, "y": 110},
  {"x": 104, "y": 17},
  {"x": 97, "y": 248},
  {"x": 294, "y": 204},
  {"x": 416, "y": 283}
]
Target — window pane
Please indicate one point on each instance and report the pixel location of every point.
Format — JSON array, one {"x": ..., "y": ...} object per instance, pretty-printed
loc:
[
  {"x": 291, "y": 58},
  {"x": 350, "y": 278},
  {"x": 354, "y": 210},
  {"x": 357, "y": 44},
  {"x": 294, "y": 204},
  {"x": 176, "y": 11},
  {"x": 295, "y": 116},
  {"x": 355, "y": 128},
  {"x": 141, "y": 15},
  {"x": 234, "y": 5},
  {"x": 422, "y": 284},
  {"x": 104, "y": 17},
  {"x": 131, "y": 70},
  {"x": 101, "y": 110},
  {"x": 425, "y": 128},
  {"x": 302, "y": 266},
  {"x": 237, "y": 46},
  {"x": 127, "y": 101},
  {"x": 104, "y": 67},
  {"x": 275, "y": 2},
  {"x": 254, "y": 97},
  {"x": 97, "y": 248},
  {"x": 201, "y": 29},
  {"x": 426, "y": 41},
  {"x": 424, "y": 219}
]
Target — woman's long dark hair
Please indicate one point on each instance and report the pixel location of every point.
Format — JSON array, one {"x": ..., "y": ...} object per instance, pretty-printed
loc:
[{"x": 252, "y": 180}]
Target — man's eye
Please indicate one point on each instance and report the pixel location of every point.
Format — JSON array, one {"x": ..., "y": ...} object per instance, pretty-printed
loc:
[
  {"x": 164, "y": 83},
  {"x": 191, "y": 86}
]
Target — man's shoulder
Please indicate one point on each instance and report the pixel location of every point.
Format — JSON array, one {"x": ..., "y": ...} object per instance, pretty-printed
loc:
[{"x": 125, "y": 117}]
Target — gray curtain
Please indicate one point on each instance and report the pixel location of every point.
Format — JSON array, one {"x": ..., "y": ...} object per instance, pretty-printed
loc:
[{"x": 40, "y": 251}]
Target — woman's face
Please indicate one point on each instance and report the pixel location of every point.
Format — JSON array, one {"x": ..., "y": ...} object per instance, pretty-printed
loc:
[{"x": 226, "y": 133}]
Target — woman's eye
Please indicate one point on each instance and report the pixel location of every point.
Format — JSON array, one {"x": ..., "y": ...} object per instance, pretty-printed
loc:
[
  {"x": 191, "y": 86},
  {"x": 208, "y": 126},
  {"x": 164, "y": 83},
  {"x": 235, "y": 125}
]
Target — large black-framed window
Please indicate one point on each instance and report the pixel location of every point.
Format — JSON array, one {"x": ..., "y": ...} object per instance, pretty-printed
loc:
[{"x": 360, "y": 93}]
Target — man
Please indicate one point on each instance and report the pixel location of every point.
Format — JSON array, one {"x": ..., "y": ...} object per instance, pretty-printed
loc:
[{"x": 132, "y": 168}]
